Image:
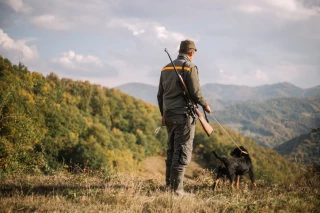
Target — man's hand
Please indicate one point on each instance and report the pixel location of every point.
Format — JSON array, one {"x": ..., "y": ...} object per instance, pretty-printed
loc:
[
  {"x": 163, "y": 123},
  {"x": 207, "y": 109}
]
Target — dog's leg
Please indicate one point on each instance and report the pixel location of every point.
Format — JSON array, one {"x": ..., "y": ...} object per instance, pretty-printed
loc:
[
  {"x": 237, "y": 181},
  {"x": 252, "y": 177},
  {"x": 231, "y": 178},
  {"x": 218, "y": 179}
]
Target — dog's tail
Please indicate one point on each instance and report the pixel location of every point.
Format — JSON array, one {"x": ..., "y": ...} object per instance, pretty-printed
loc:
[{"x": 216, "y": 155}]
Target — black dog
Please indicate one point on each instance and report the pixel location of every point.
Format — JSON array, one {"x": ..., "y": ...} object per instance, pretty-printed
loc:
[{"x": 234, "y": 167}]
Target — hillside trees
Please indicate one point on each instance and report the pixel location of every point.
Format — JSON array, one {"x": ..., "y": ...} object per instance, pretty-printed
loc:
[
  {"x": 303, "y": 149},
  {"x": 20, "y": 135},
  {"x": 273, "y": 121},
  {"x": 46, "y": 121}
]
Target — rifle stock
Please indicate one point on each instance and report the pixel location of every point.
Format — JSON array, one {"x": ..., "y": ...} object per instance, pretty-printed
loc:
[{"x": 205, "y": 125}]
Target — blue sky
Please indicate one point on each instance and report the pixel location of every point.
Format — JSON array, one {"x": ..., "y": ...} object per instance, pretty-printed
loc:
[{"x": 242, "y": 42}]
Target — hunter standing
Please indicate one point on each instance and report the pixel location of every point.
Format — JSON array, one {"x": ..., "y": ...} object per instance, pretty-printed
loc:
[{"x": 180, "y": 125}]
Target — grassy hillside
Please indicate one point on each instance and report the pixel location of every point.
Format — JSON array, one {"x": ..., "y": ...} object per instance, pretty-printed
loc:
[
  {"x": 302, "y": 149},
  {"x": 274, "y": 121}
]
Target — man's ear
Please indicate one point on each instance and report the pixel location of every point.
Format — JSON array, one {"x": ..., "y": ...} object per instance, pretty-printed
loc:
[{"x": 190, "y": 54}]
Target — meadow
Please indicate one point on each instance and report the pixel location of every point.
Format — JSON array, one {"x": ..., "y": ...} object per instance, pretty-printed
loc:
[{"x": 84, "y": 190}]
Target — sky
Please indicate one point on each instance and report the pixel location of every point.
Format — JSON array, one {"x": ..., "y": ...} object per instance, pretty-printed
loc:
[{"x": 113, "y": 42}]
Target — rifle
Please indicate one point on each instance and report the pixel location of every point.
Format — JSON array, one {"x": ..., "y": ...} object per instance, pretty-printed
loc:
[{"x": 192, "y": 107}]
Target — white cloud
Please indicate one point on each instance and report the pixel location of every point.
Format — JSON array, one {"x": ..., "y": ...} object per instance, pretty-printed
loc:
[
  {"x": 147, "y": 30},
  {"x": 17, "y": 50},
  {"x": 163, "y": 34},
  {"x": 252, "y": 78},
  {"x": 18, "y": 6},
  {"x": 292, "y": 9},
  {"x": 77, "y": 66},
  {"x": 288, "y": 5},
  {"x": 71, "y": 60},
  {"x": 136, "y": 30},
  {"x": 135, "y": 26},
  {"x": 261, "y": 76},
  {"x": 286, "y": 9},
  {"x": 251, "y": 8},
  {"x": 51, "y": 22},
  {"x": 289, "y": 71}
]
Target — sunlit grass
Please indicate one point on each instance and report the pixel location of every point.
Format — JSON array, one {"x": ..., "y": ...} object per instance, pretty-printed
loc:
[{"x": 132, "y": 192}]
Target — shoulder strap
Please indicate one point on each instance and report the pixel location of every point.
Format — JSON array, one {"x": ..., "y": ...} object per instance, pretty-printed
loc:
[{"x": 182, "y": 70}]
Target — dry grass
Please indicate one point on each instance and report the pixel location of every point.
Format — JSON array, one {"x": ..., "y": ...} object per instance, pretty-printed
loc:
[{"x": 99, "y": 192}]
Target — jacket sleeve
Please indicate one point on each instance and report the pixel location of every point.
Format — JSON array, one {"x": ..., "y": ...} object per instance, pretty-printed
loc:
[
  {"x": 193, "y": 85},
  {"x": 160, "y": 96}
]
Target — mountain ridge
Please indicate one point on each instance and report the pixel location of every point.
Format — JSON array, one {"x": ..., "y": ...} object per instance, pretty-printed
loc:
[{"x": 222, "y": 94}]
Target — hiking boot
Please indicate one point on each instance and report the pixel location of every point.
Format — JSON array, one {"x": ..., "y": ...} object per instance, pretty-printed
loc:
[{"x": 177, "y": 181}]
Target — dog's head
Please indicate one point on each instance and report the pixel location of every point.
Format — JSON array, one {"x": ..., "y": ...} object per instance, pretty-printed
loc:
[{"x": 237, "y": 153}]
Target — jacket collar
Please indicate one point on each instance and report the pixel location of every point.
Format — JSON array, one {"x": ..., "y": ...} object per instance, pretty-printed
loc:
[{"x": 183, "y": 56}]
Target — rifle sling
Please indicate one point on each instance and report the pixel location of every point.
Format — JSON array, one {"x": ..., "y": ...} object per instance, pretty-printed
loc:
[{"x": 183, "y": 77}]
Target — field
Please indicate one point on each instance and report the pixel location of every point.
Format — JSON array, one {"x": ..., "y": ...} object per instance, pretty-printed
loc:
[{"x": 143, "y": 191}]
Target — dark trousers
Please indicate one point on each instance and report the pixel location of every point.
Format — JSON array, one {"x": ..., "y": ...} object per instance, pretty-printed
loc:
[{"x": 180, "y": 142}]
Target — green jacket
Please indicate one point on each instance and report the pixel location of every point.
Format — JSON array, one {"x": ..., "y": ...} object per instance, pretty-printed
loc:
[{"x": 170, "y": 97}]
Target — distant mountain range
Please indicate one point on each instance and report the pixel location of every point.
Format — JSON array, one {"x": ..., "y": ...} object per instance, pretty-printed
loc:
[
  {"x": 145, "y": 92},
  {"x": 220, "y": 96},
  {"x": 270, "y": 114},
  {"x": 244, "y": 93}
]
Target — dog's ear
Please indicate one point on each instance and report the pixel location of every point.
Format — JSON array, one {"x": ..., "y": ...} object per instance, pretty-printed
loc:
[{"x": 243, "y": 150}]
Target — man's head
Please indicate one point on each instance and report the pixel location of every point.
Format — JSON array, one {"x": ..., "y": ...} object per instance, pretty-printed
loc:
[{"x": 188, "y": 47}]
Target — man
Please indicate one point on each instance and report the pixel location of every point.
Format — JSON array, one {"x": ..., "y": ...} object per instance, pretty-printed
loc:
[{"x": 180, "y": 125}]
